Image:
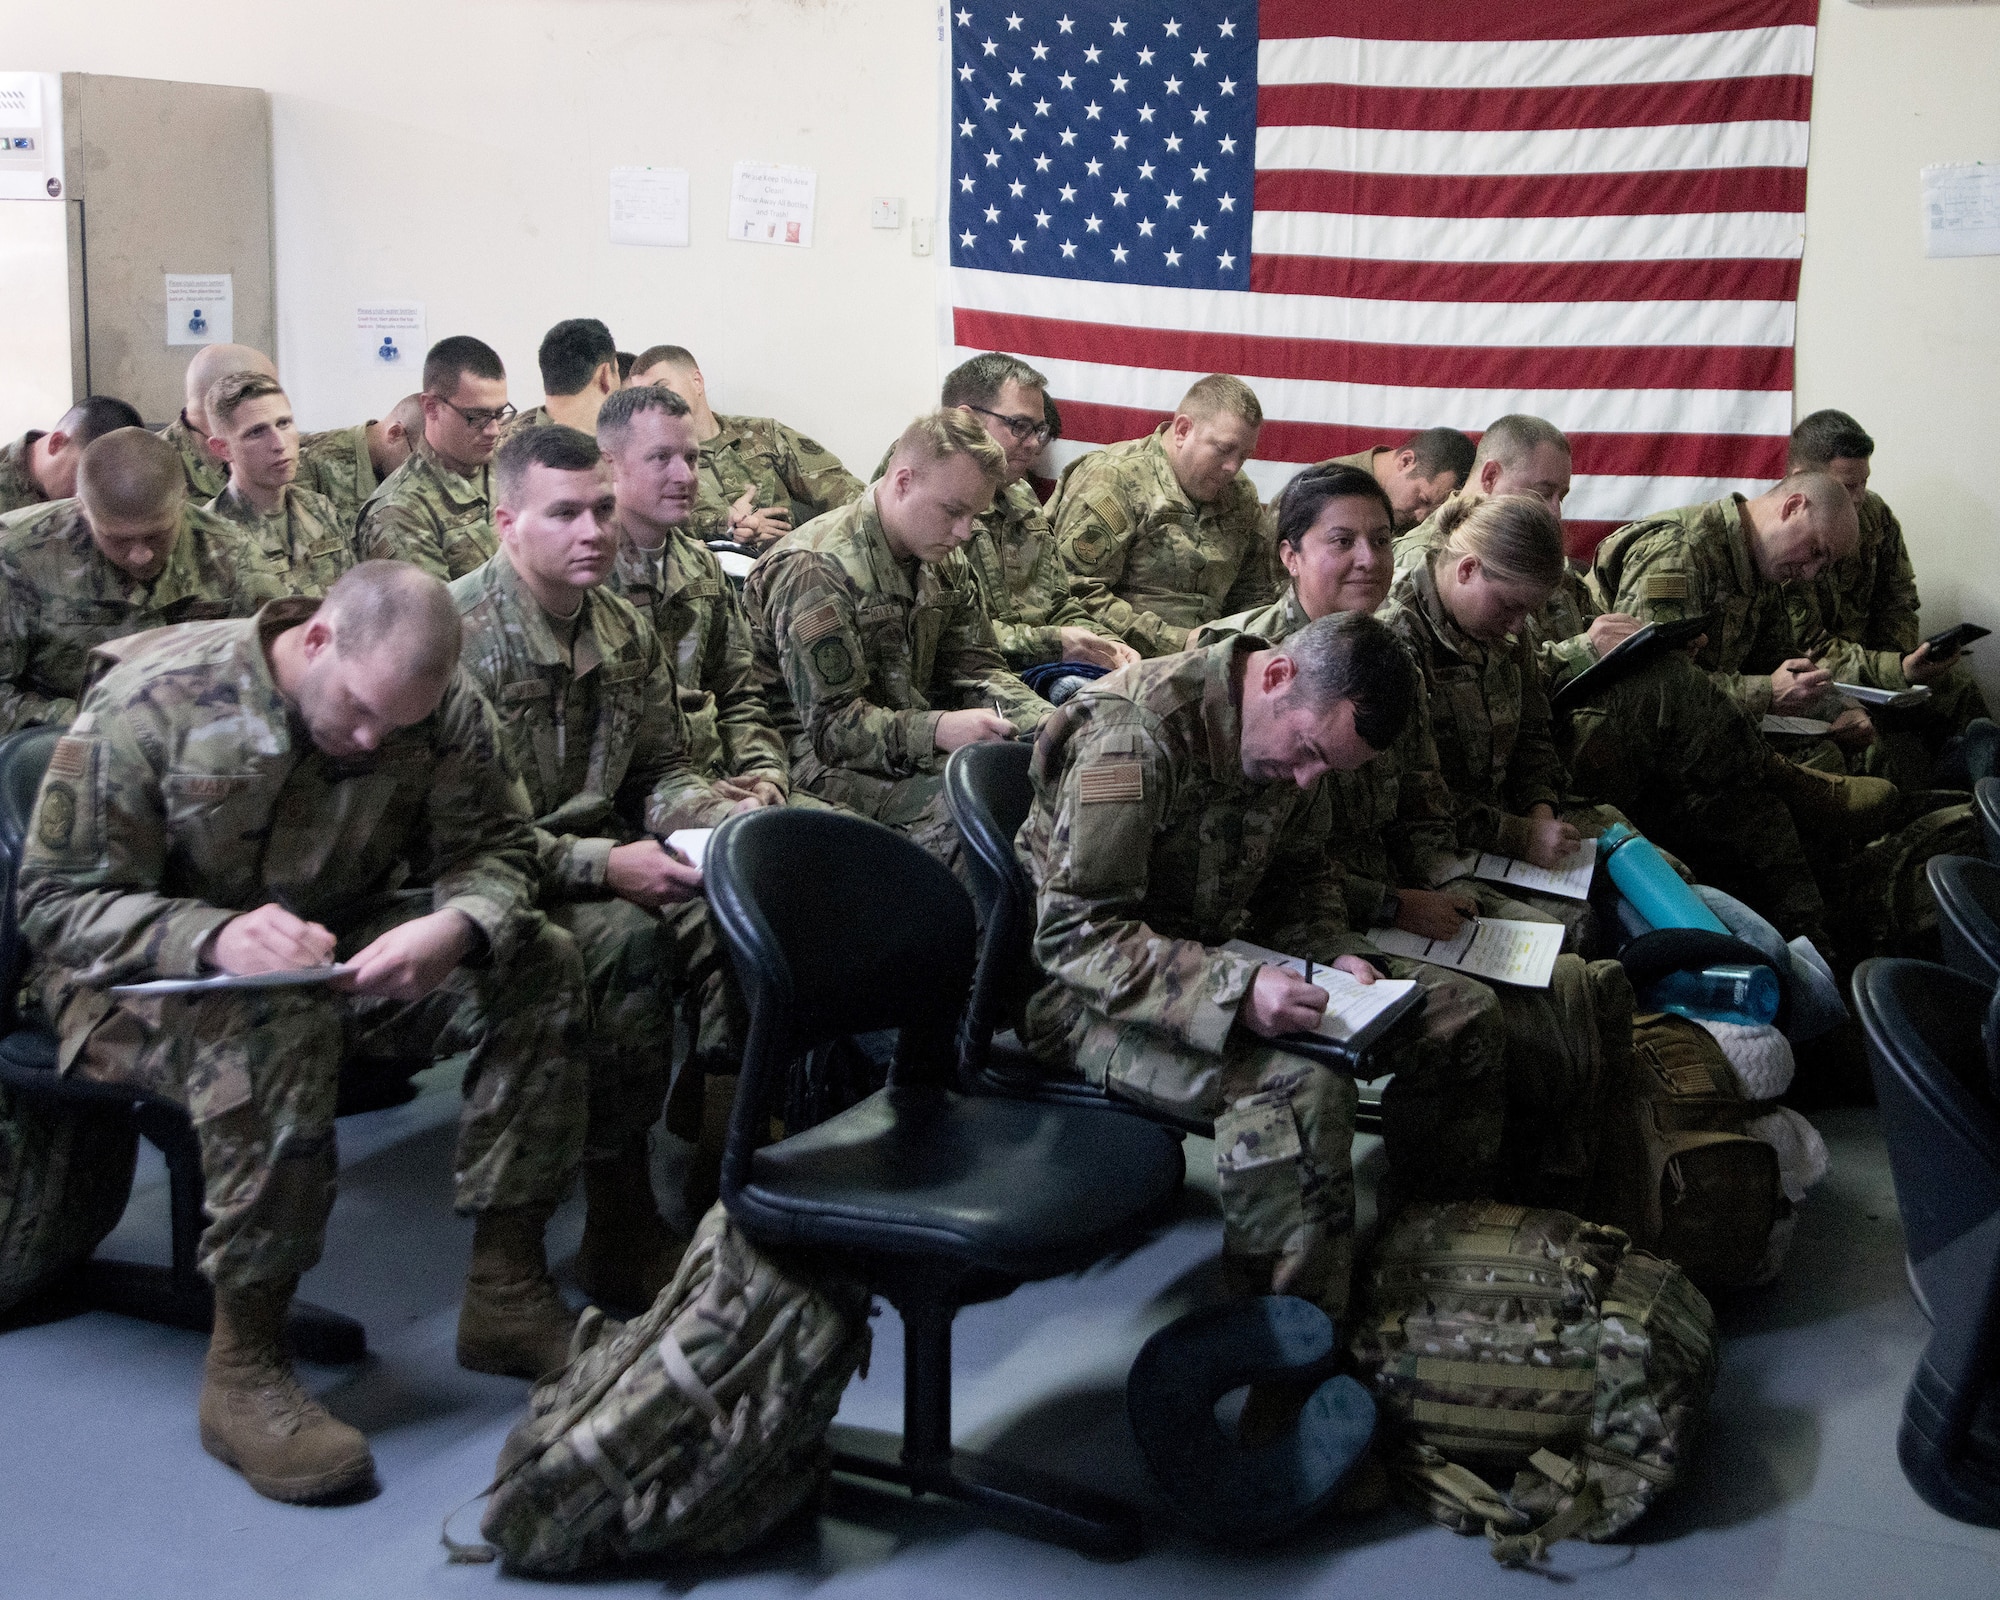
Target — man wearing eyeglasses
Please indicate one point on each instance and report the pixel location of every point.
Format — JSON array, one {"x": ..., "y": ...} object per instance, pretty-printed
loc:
[
  {"x": 436, "y": 509},
  {"x": 1012, "y": 551}
]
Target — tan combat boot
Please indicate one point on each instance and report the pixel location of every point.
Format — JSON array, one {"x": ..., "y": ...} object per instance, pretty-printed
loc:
[
  {"x": 513, "y": 1320},
  {"x": 257, "y": 1418},
  {"x": 1854, "y": 808},
  {"x": 629, "y": 1253}
]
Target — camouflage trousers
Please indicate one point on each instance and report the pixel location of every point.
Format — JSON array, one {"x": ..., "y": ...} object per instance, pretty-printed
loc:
[
  {"x": 1674, "y": 754},
  {"x": 1444, "y": 1113},
  {"x": 1908, "y": 743},
  {"x": 638, "y": 967},
  {"x": 913, "y": 806},
  {"x": 258, "y": 1069}
]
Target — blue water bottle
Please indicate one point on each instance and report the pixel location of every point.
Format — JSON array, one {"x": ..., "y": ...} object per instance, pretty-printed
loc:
[
  {"x": 1654, "y": 888},
  {"x": 1748, "y": 995}
]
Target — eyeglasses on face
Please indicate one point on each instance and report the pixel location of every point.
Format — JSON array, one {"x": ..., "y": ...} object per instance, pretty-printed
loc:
[
  {"x": 1022, "y": 428},
  {"x": 480, "y": 418}
]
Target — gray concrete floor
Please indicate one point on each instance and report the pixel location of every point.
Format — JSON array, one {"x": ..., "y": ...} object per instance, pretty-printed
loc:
[{"x": 104, "y": 1489}]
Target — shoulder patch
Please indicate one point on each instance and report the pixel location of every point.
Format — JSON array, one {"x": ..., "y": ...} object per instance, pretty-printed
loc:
[
  {"x": 1665, "y": 586},
  {"x": 1111, "y": 783},
  {"x": 832, "y": 662},
  {"x": 817, "y": 623},
  {"x": 1110, "y": 510},
  {"x": 57, "y": 822}
]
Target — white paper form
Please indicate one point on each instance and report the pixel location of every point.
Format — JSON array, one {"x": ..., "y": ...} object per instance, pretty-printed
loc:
[
  {"x": 772, "y": 205},
  {"x": 224, "y": 982},
  {"x": 692, "y": 843},
  {"x": 1350, "y": 1004},
  {"x": 649, "y": 205},
  {"x": 1572, "y": 882},
  {"x": 201, "y": 307},
  {"x": 389, "y": 337},
  {"x": 1520, "y": 953},
  {"x": 1962, "y": 209}
]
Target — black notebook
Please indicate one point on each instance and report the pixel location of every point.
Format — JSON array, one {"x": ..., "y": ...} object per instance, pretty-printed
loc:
[{"x": 1628, "y": 655}]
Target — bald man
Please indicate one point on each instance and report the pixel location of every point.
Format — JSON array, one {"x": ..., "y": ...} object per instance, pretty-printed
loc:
[
  {"x": 341, "y": 736},
  {"x": 39, "y": 467},
  {"x": 129, "y": 553},
  {"x": 189, "y": 432},
  {"x": 347, "y": 465}
]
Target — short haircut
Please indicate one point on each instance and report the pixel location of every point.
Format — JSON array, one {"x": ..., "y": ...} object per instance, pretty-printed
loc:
[
  {"x": 571, "y": 351},
  {"x": 1051, "y": 416},
  {"x": 392, "y": 604},
  {"x": 90, "y": 420},
  {"x": 625, "y": 360},
  {"x": 451, "y": 359},
  {"x": 1308, "y": 493},
  {"x": 1512, "y": 439},
  {"x": 978, "y": 382},
  {"x": 234, "y": 389},
  {"x": 551, "y": 445},
  {"x": 409, "y": 411},
  {"x": 130, "y": 472},
  {"x": 1827, "y": 436},
  {"x": 1348, "y": 655},
  {"x": 1441, "y": 450},
  {"x": 1515, "y": 536},
  {"x": 614, "y": 419},
  {"x": 939, "y": 435},
  {"x": 672, "y": 354},
  {"x": 1219, "y": 392}
]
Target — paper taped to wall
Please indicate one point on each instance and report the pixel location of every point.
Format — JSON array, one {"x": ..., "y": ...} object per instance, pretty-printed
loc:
[
  {"x": 201, "y": 307},
  {"x": 649, "y": 205},
  {"x": 772, "y": 205},
  {"x": 1962, "y": 209}
]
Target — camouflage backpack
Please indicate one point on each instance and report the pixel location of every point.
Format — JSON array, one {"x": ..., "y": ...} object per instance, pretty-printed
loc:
[
  {"x": 694, "y": 1429},
  {"x": 65, "y": 1175},
  {"x": 1714, "y": 1204},
  {"x": 1888, "y": 908},
  {"x": 1500, "y": 1340}
]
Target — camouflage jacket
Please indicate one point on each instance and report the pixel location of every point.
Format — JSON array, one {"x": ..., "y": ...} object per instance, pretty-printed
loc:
[
  {"x": 1393, "y": 822},
  {"x": 1489, "y": 716},
  {"x": 534, "y": 417},
  {"x": 60, "y": 599},
  {"x": 1146, "y": 562},
  {"x": 598, "y": 738},
  {"x": 205, "y": 475},
  {"x": 681, "y": 589},
  {"x": 786, "y": 467},
  {"x": 859, "y": 654},
  {"x": 187, "y": 792},
  {"x": 17, "y": 484},
  {"x": 1858, "y": 619},
  {"x": 1013, "y": 558},
  {"x": 307, "y": 541},
  {"x": 1696, "y": 562},
  {"x": 427, "y": 514},
  {"x": 1149, "y": 848},
  {"x": 336, "y": 463}
]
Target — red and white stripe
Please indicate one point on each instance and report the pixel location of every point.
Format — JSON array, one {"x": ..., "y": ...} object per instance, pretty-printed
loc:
[{"x": 1591, "y": 213}]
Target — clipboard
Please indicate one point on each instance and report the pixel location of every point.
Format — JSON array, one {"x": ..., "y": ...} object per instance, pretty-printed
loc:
[
  {"x": 1627, "y": 656},
  {"x": 1354, "y": 1056}
]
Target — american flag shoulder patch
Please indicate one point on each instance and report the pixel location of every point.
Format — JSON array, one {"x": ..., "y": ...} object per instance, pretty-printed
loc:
[
  {"x": 1103, "y": 783},
  {"x": 817, "y": 623},
  {"x": 1666, "y": 586},
  {"x": 70, "y": 758}
]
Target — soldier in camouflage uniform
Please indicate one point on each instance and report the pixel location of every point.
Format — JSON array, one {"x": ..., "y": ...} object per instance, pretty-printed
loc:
[
  {"x": 1397, "y": 842},
  {"x": 340, "y": 739},
  {"x": 1418, "y": 475},
  {"x": 39, "y": 467},
  {"x": 299, "y": 532},
  {"x": 1164, "y": 533},
  {"x": 759, "y": 478},
  {"x": 436, "y": 509},
  {"x": 1858, "y": 619},
  {"x": 189, "y": 432},
  {"x": 127, "y": 555},
  {"x": 588, "y": 713},
  {"x": 1179, "y": 805},
  {"x": 872, "y": 646},
  {"x": 579, "y": 363},
  {"x": 346, "y": 464}
]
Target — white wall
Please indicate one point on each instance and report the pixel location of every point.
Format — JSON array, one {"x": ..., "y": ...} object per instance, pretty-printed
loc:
[
  {"x": 1909, "y": 346},
  {"x": 458, "y": 152}
]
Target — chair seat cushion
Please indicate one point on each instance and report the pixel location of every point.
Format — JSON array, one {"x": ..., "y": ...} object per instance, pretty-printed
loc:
[{"x": 1015, "y": 1187}]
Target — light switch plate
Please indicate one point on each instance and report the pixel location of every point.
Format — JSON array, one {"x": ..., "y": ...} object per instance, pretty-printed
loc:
[
  {"x": 885, "y": 213},
  {"x": 920, "y": 236}
]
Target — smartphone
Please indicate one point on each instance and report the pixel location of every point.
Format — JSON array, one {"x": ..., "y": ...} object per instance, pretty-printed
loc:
[{"x": 1953, "y": 640}]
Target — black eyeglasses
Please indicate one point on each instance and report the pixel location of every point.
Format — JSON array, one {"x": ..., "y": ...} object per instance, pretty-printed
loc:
[
  {"x": 1022, "y": 428},
  {"x": 479, "y": 418}
]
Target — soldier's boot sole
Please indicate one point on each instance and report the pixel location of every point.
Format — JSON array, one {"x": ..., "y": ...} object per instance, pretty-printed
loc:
[{"x": 284, "y": 1443}]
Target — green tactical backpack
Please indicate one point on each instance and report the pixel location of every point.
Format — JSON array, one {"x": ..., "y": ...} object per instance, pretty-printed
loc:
[
  {"x": 1714, "y": 1203},
  {"x": 1503, "y": 1341},
  {"x": 1888, "y": 908},
  {"x": 695, "y": 1429},
  {"x": 65, "y": 1175}
]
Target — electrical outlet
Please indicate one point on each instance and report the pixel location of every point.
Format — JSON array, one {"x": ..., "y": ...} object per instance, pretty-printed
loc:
[
  {"x": 920, "y": 236},
  {"x": 885, "y": 213}
]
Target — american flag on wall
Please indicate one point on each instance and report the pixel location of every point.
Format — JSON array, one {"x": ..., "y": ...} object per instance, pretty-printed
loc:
[{"x": 1392, "y": 216}]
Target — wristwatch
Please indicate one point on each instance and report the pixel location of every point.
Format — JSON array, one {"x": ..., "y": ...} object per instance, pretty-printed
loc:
[{"x": 1390, "y": 910}]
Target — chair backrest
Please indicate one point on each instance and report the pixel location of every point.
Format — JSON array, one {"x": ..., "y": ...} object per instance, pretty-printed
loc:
[
  {"x": 1968, "y": 900},
  {"x": 989, "y": 792},
  {"x": 836, "y": 925},
  {"x": 24, "y": 759},
  {"x": 1987, "y": 794}
]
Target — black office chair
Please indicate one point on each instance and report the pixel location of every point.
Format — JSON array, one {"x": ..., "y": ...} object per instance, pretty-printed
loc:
[
  {"x": 1986, "y": 799},
  {"x": 933, "y": 1198},
  {"x": 1968, "y": 901},
  {"x": 177, "y": 1296},
  {"x": 1938, "y": 1083}
]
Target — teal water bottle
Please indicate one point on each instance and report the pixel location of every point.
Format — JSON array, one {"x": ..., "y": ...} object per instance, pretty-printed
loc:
[
  {"x": 1748, "y": 995},
  {"x": 1654, "y": 888}
]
